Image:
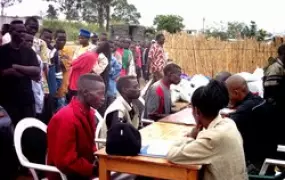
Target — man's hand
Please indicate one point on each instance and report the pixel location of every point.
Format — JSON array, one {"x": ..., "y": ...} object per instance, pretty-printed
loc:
[{"x": 195, "y": 131}]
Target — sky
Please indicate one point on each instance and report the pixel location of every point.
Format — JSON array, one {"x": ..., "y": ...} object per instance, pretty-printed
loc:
[{"x": 266, "y": 13}]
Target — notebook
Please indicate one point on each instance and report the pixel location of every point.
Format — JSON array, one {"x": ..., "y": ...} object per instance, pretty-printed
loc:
[{"x": 155, "y": 148}]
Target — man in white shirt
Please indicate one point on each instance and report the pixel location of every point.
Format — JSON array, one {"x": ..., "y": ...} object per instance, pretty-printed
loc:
[{"x": 6, "y": 38}]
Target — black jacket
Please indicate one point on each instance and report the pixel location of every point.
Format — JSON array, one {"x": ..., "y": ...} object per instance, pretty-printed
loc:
[{"x": 244, "y": 118}]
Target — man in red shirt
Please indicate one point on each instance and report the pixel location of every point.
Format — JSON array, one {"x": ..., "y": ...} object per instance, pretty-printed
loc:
[
  {"x": 71, "y": 131},
  {"x": 158, "y": 98}
]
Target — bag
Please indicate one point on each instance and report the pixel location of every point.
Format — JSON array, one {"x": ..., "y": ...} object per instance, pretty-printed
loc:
[{"x": 123, "y": 139}]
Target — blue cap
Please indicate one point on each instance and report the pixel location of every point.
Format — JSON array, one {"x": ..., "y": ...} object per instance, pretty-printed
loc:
[{"x": 84, "y": 33}]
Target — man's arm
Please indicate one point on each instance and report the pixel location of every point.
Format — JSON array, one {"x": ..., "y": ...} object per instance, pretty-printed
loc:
[
  {"x": 191, "y": 151},
  {"x": 101, "y": 64},
  {"x": 132, "y": 66},
  {"x": 31, "y": 71},
  {"x": 67, "y": 160},
  {"x": 154, "y": 108}
]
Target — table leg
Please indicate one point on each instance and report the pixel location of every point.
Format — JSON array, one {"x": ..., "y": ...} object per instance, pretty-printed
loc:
[{"x": 104, "y": 174}]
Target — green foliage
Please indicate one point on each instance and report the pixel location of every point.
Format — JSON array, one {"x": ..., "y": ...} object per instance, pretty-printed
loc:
[
  {"x": 125, "y": 12},
  {"x": 71, "y": 28},
  {"x": 236, "y": 30},
  {"x": 90, "y": 13},
  {"x": 51, "y": 12},
  {"x": 69, "y": 8},
  {"x": 170, "y": 23}
]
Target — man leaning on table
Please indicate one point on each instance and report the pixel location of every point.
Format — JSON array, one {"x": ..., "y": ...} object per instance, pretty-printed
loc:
[
  {"x": 158, "y": 98},
  {"x": 219, "y": 147},
  {"x": 71, "y": 131}
]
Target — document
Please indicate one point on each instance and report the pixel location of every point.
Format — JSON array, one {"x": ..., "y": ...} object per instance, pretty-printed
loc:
[{"x": 155, "y": 148}]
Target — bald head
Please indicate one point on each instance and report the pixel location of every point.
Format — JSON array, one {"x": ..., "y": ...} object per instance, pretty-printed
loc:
[
  {"x": 237, "y": 88},
  {"x": 222, "y": 76},
  {"x": 236, "y": 82}
]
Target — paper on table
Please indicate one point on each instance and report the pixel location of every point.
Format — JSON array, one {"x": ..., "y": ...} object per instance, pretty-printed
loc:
[{"x": 155, "y": 148}]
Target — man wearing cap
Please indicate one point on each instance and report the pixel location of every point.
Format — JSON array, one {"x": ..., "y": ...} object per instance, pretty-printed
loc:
[{"x": 84, "y": 37}]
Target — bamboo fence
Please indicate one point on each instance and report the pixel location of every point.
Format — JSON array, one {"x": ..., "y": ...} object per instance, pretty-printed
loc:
[{"x": 198, "y": 55}]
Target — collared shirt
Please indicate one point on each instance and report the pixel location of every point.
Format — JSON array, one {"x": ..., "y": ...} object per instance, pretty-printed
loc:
[
  {"x": 217, "y": 148},
  {"x": 81, "y": 50},
  {"x": 6, "y": 38},
  {"x": 158, "y": 58},
  {"x": 114, "y": 73},
  {"x": 41, "y": 49}
]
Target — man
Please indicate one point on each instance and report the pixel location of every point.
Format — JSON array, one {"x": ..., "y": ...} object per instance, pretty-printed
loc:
[
  {"x": 145, "y": 60},
  {"x": 94, "y": 39},
  {"x": 114, "y": 74},
  {"x": 156, "y": 58},
  {"x": 71, "y": 131},
  {"x": 158, "y": 98},
  {"x": 36, "y": 85},
  {"x": 84, "y": 37},
  {"x": 222, "y": 76},
  {"x": 103, "y": 37},
  {"x": 46, "y": 35},
  {"x": 122, "y": 108},
  {"x": 128, "y": 63},
  {"x": 65, "y": 55},
  {"x": 18, "y": 66},
  {"x": 243, "y": 101},
  {"x": 6, "y": 37}
]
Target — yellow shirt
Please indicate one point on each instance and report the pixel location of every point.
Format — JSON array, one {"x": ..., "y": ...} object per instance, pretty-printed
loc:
[{"x": 81, "y": 50}]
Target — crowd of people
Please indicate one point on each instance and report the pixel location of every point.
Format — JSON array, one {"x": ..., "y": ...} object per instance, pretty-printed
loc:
[{"x": 63, "y": 87}]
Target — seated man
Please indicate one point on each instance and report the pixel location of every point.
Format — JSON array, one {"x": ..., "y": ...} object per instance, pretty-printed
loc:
[
  {"x": 122, "y": 107},
  {"x": 71, "y": 131},
  {"x": 215, "y": 142},
  {"x": 243, "y": 101},
  {"x": 158, "y": 98}
]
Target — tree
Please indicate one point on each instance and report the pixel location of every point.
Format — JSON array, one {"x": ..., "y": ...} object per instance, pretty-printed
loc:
[
  {"x": 170, "y": 23},
  {"x": 70, "y": 8},
  {"x": 125, "y": 12},
  {"x": 51, "y": 12},
  {"x": 235, "y": 29},
  {"x": 90, "y": 13},
  {"x": 7, "y": 3}
]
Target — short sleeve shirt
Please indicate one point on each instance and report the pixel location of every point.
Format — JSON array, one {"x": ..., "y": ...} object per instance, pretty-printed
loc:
[
  {"x": 158, "y": 59},
  {"x": 16, "y": 90}
]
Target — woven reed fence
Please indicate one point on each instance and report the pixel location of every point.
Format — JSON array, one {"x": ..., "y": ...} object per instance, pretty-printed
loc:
[{"x": 198, "y": 55}]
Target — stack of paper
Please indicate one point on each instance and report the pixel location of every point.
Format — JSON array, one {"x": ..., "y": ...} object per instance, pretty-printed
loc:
[{"x": 155, "y": 148}]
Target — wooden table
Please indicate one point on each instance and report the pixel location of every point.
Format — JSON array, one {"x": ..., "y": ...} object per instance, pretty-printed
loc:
[
  {"x": 179, "y": 106},
  {"x": 149, "y": 166},
  {"x": 183, "y": 117}
]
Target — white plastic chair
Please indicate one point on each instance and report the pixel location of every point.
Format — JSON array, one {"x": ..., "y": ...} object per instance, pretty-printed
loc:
[
  {"x": 20, "y": 128},
  {"x": 98, "y": 128},
  {"x": 269, "y": 161}
]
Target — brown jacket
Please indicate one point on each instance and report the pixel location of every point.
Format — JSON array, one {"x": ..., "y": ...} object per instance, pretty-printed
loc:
[{"x": 219, "y": 148}]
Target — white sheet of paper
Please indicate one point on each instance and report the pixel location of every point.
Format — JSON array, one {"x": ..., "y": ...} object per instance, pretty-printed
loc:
[{"x": 157, "y": 147}]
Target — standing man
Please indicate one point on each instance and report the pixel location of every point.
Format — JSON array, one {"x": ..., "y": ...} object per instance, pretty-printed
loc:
[
  {"x": 94, "y": 39},
  {"x": 103, "y": 37},
  {"x": 71, "y": 132},
  {"x": 128, "y": 64},
  {"x": 84, "y": 37},
  {"x": 156, "y": 58},
  {"x": 18, "y": 66}
]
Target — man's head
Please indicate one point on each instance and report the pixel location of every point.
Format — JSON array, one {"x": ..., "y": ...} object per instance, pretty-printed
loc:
[
  {"x": 84, "y": 37},
  {"x": 32, "y": 25},
  {"x": 281, "y": 53},
  {"x": 17, "y": 31},
  {"x": 46, "y": 35},
  {"x": 5, "y": 29},
  {"x": 103, "y": 37},
  {"x": 129, "y": 87},
  {"x": 60, "y": 39},
  {"x": 237, "y": 88},
  {"x": 91, "y": 89},
  {"x": 104, "y": 47},
  {"x": 222, "y": 76},
  {"x": 160, "y": 39},
  {"x": 126, "y": 43},
  {"x": 207, "y": 101},
  {"x": 94, "y": 39},
  {"x": 112, "y": 46},
  {"x": 29, "y": 40},
  {"x": 172, "y": 73}
]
